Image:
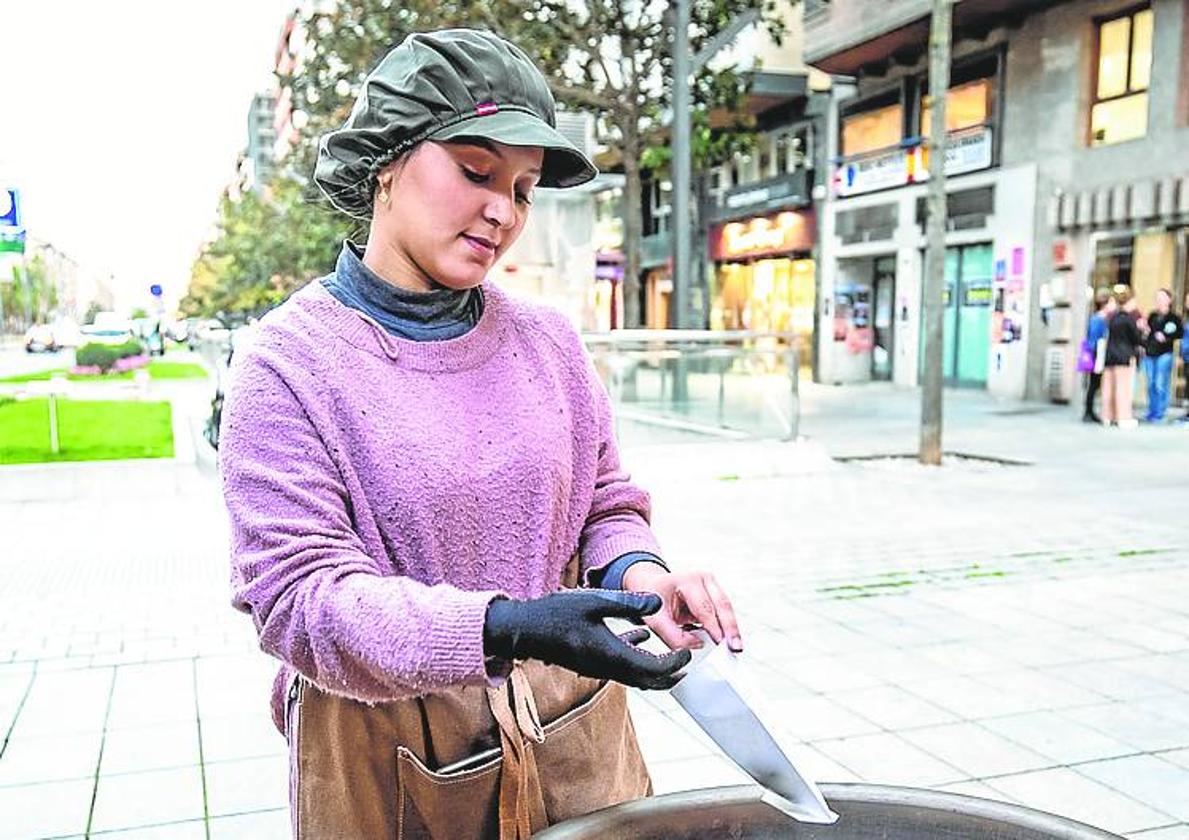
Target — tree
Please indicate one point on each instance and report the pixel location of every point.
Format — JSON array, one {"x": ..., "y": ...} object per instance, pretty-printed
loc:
[
  {"x": 32, "y": 296},
  {"x": 611, "y": 58}
]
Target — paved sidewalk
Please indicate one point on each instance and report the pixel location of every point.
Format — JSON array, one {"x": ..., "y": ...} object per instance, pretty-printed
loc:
[{"x": 1015, "y": 632}]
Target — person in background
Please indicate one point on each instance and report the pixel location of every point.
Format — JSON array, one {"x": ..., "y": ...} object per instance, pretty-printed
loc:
[
  {"x": 1185, "y": 359},
  {"x": 1096, "y": 331},
  {"x": 1124, "y": 340},
  {"x": 1164, "y": 328}
]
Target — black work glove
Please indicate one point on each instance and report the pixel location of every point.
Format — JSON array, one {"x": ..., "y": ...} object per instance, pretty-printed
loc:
[{"x": 566, "y": 628}]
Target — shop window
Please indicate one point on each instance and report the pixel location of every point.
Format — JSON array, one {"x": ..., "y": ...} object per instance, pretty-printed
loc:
[
  {"x": 1122, "y": 72},
  {"x": 866, "y": 224},
  {"x": 879, "y": 128},
  {"x": 966, "y": 106},
  {"x": 1112, "y": 263}
]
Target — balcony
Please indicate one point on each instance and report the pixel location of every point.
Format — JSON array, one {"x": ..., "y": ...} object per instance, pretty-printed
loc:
[{"x": 852, "y": 36}]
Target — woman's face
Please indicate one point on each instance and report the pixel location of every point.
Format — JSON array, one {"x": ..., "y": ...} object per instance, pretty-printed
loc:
[{"x": 453, "y": 209}]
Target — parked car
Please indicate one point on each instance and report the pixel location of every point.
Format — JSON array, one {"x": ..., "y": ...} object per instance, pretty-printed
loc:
[
  {"x": 39, "y": 338},
  {"x": 108, "y": 328}
]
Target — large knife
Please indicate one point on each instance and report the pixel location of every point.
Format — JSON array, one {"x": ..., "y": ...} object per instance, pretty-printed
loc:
[{"x": 722, "y": 699}]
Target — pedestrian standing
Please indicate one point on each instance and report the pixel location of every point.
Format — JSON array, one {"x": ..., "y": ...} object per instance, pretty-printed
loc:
[
  {"x": 1185, "y": 360},
  {"x": 1164, "y": 329},
  {"x": 430, "y": 520},
  {"x": 1095, "y": 345},
  {"x": 1123, "y": 344}
]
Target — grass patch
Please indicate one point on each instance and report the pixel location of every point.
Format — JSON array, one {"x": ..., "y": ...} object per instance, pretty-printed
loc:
[
  {"x": 988, "y": 573},
  {"x": 731, "y": 477},
  {"x": 1140, "y": 552},
  {"x": 1062, "y": 559},
  {"x": 87, "y": 431},
  {"x": 158, "y": 369}
]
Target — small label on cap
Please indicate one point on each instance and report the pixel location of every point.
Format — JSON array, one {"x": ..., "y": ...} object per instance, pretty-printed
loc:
[{"x": 485, "y": 108}]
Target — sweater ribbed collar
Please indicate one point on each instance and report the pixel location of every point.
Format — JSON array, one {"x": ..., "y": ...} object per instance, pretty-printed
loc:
[{"x": 361, "y": 331}]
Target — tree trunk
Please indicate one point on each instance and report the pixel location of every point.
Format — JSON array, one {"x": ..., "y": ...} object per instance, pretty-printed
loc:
[
  {"x": 939, "y": 82},
  {"x": 632, "y": 197}
]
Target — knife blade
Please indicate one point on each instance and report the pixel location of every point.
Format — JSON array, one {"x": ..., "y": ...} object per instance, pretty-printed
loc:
[{"x": 723, "y": 700}]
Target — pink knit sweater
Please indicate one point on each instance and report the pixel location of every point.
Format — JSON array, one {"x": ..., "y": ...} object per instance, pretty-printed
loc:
[{"x": 383, "y": 491}]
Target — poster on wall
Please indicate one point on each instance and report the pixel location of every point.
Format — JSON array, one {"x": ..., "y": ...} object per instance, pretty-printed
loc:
[{"x": 1008, "y": 290}]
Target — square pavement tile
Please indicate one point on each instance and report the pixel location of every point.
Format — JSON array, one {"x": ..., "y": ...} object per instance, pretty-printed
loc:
[
  {"x": 1145, "y": 778},
  {"x": 815, "y": 718},
  {"x": 188, "y": 830},
  {"x": 157, "y": 747},
  {"x": 262, "y": 825},
  {"x": 664, "y": 739},
  {"x": 30, "y": 760},
  {"x": 1112, "y": 680},
  {"x": 1069, "y": 794},
  {"x": 46, "y": 810},
  {"x": 1056, "y": 737},
  {"x": 242, "y": 736},
  {"x": 965, "y": 658},
  {"x": 1146, "y": 636},
  {"x": 159, "y": 692},
  {"x": 970, "y": 698},
  {"x": 889, "y": 759},
  {"x": 1177, "y": 757},
  {"x": 1042, "y": 688},
  {"x": 712, "y": 771},
  {"x": 1171, "y": 668},
  {"x": 240, "y": 787},
  {"x": 893, "y": 708},
  {"x": 64, "y": 702},
  {"x": 1124, "y": 722},
  {"x": 832, "y": 673},
  {"x": 975, "y": 750},
  {"x": 135, "y": 800}
]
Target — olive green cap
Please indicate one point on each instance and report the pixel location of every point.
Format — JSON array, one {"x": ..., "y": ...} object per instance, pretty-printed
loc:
[{"x": 447, "y": 85}]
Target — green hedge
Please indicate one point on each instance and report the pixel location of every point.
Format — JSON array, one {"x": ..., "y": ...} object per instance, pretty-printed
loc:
[{"x": 104, "y": 356}]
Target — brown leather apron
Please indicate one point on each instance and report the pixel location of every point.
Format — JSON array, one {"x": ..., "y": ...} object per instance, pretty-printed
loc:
[{"x": 469, "y": 762}]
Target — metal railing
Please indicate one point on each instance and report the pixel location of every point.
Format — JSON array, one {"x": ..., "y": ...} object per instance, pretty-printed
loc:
[{"x": 686, "y": 384}]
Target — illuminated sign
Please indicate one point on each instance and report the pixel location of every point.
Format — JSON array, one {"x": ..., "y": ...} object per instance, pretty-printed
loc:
[
  {"x": 780, "y": 233},
  {"x": 966, "y": 151}
]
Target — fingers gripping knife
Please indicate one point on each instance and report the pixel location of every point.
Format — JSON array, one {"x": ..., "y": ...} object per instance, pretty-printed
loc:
[{"x": 721, "y": 698}]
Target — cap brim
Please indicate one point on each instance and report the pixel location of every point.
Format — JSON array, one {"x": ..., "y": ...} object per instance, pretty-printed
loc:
[{"x": 564, "y": 165}]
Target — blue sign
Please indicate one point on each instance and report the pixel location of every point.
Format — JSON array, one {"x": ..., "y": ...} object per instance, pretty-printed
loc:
[
  {"x": 10, "y": 208},
  {"x": 155, "y": 290}
]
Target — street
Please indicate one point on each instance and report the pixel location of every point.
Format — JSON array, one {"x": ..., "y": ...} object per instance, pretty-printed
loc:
[{"x": 996, "y": 627}]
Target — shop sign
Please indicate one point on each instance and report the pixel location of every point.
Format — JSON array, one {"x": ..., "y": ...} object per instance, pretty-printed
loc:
[
  {"x": 785, "y": 190},
  {"x": 781, "y": 233},
  {"x": 967, "y": 151},
  {"x": 880, "y": 172}
]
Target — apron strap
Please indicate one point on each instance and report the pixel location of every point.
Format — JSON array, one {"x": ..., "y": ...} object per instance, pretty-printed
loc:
[{"x": 521, "y": 807}]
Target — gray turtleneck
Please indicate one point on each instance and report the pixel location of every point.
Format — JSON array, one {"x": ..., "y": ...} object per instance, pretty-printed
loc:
[{"x": 435, "y": 315}]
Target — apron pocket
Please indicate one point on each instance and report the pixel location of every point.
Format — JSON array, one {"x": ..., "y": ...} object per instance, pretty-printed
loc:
[
  {"x": 590, "y": 759},
  {"x": 453, "y": 805}
]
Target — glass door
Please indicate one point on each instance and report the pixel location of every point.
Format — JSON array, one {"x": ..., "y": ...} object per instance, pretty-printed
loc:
[{"x": 884, "y": 318}]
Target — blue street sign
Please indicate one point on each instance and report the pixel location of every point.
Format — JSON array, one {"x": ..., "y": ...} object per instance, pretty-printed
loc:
[
  {"x": 155, "y": 290},
  {"x": 10, "y": 208}
]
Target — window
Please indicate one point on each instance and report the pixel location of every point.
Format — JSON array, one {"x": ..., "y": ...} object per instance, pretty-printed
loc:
[
  {"x": 1123, "y": 70},
  {"x": 879, "y": 128},
  {"x": 966, "y": 106}
]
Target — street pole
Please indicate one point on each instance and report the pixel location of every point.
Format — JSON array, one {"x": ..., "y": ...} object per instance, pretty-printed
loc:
[
  {"x": 681, "y": 165},
  {"x": 939, "y": 82}
]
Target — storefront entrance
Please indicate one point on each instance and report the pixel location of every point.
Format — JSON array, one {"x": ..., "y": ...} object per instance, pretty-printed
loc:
[
  {"x": 767, "y": 295},
  {"x": 884, "y": 319},
  {"x": 967, "y": 318}
]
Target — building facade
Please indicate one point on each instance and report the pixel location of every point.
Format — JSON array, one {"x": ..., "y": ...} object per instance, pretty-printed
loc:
[{"x": 1068, "y": 161}]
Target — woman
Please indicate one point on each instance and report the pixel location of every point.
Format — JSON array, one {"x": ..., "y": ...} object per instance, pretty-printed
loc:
[
  {"x": 430, "y": 521},
  {"x": 1096, "y": 332},
  {"x": 1124, "y": 340}
]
